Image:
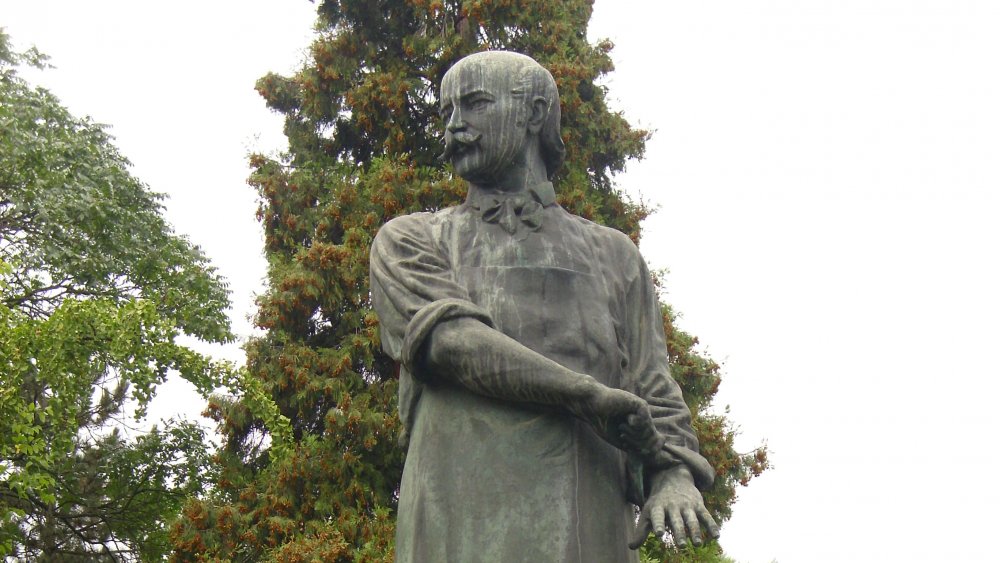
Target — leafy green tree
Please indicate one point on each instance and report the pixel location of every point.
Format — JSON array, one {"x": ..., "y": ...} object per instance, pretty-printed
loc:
[
  {"x": 361, "y": 121},
  {"x": 95, "y": 289}
]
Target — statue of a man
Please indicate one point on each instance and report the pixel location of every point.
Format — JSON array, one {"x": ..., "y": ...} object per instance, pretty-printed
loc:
[{"x": 534, "y": 391}]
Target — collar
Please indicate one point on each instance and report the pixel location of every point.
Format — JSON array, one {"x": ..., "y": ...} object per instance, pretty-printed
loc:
[
  {"x": 517, "y": 213},
  {"x": 542, "y": 192}
]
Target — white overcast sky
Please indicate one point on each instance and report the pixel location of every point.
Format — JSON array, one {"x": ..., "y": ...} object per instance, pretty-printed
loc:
[{"x": 827, "y": 177}]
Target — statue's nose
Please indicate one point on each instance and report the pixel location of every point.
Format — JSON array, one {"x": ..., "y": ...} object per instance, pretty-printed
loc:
[{"x": 455, "y": 121}]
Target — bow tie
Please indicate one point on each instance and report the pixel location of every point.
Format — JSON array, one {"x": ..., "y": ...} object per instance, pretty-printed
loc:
[{"x": 510, "y": 211}]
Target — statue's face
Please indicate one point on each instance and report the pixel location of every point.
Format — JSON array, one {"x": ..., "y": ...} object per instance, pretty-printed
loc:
[{"x": 485, "y": 130}]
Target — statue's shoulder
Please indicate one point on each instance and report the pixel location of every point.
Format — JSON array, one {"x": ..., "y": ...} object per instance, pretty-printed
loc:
[
  {"x": 419, "y": 225},
  {"x": 605, "y": 237},
  {"x": 614, "y": 252}
]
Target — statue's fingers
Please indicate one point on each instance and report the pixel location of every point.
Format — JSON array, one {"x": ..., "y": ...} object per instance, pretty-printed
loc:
[
  {"x": 637, "y": 436},
  {"x": 706, "y": 518},
  {"x": 627, "y": 427},
  {"x": 627, "y": 430},
  {"x": 657, "y": 519},
  {"x": 626, "y": 440},
  {"x": 641, "y": 425},
  {"x": 694, "y": 528},
  {"x": 677, "y": 529},
  {"x": 641, "y": 532},
  {"x": 642, "y": 434}
]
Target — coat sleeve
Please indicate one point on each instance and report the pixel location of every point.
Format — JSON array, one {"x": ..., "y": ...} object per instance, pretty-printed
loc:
[
  {"x": 413, "y": 289},
  {"x": 648, "y": 369}
]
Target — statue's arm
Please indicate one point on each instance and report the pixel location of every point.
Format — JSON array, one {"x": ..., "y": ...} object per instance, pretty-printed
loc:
[
  {"x": 465, "y": 352},
  {"x": 648, "y": 372},
  {"x": 674, "y": 471},
  {"x": 429, "y": 324}
]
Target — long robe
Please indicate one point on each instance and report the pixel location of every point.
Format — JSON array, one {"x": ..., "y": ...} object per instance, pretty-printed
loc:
[{"x": 490, "y": 480}]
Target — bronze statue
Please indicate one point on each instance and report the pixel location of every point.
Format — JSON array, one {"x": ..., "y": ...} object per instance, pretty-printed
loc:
[{"x": 535, "y": 393}]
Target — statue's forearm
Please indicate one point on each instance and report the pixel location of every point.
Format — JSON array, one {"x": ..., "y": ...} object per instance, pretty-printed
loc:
[
  {"x": 485, "y": 361},
  {"x": 467, "y": 353}
]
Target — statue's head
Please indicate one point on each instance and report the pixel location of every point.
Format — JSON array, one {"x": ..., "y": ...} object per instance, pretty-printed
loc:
[{"x": 501, "y": 110}]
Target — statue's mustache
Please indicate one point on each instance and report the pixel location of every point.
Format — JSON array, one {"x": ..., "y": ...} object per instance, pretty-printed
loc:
[{"x": 457, "y": 141}]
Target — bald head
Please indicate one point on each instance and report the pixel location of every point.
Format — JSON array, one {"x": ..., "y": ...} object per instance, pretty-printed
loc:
[{"x": 484, "y": 77}]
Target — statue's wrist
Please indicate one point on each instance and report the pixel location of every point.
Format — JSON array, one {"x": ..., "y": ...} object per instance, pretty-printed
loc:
[
  {"x": 587, "y": 385},
  {"x": 675, "y": 474},
  {"x": 582, "y": 392},
  {"x": 660, "y": 458}
]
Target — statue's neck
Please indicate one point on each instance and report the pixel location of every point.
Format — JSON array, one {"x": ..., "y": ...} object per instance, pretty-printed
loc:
[{"x": 518, "y": 177}]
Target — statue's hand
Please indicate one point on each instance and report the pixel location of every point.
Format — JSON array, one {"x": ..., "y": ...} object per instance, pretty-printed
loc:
[
  {"x": 620, "y": 418},
  {"x": 676, "y": 503},
  {"x": 639, "y": 435}
]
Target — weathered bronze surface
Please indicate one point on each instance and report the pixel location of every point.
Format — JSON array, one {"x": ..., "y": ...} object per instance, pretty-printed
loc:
[{"x": 534, "y": 390}]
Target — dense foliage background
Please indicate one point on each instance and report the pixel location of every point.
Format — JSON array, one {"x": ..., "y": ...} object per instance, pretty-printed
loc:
[
  {"x": 95, "y": 290},
  {"x": 361, "y": 121}
]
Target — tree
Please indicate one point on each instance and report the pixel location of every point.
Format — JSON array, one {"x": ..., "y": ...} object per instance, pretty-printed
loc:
[
  {"x": 95, "y": 289},
  {"x": 361, "y": 121}
]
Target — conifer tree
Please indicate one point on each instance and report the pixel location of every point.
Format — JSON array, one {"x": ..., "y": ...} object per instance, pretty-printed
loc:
[{"x": 363, "y": 132}]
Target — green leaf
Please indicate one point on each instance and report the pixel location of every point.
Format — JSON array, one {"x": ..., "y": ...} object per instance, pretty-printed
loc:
[{"x": 95, "y": 290}]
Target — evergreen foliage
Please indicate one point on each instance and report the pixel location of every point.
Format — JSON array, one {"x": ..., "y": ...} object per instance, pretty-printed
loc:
[
  {"x": 361, "y": 121},
  {"x": 94, "y": 291}
]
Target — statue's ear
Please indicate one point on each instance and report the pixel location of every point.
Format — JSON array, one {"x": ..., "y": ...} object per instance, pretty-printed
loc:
[{"x": 539, "y": 111}]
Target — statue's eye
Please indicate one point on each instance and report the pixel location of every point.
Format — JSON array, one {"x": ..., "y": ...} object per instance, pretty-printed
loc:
[{"x": 480, "y": 103}]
